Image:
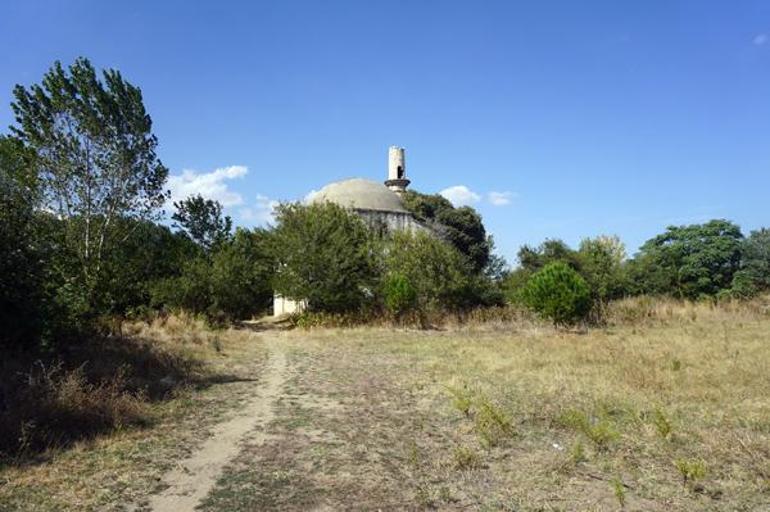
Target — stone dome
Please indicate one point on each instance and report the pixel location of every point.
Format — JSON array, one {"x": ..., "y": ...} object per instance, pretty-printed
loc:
[{"x": 360, "y": 194}]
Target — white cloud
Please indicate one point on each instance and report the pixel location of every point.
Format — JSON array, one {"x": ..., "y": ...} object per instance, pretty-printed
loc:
[
  {"x": 263, "y": 212},
  {"x": 460, "y": 195},
  {"x": 500, "y": 198},
  {"x": 210, "y": 185},
  {"x": 760, "y": 39}
]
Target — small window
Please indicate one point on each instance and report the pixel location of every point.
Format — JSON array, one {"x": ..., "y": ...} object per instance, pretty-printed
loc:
[{"x": 400, "y": 172}]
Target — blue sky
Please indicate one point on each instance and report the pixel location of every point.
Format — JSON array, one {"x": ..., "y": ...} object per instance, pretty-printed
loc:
[{"x": 584, "y": 118}]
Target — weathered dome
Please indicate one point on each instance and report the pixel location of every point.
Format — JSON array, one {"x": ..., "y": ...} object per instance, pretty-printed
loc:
[{"x": 360, "y": 194}]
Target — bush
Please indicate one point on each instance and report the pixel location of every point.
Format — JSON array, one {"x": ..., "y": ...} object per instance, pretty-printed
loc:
[
  {"x": 557, "y": 292},
  {"x": 439, "y": 274},
  {"x": 241, "y": 271},
  {"x": 21, "y": 278},
  {"x": 325, "y": 255},
  {"x": 398, "y": 294},
  {"x": 233, "y": 283}
]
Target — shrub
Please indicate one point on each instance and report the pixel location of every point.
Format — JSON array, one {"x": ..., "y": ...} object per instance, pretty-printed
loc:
[
  {"x": 230, "y": 284},
  {"x": 241, "y": 271},
  {"x": 325, "y": 255},
  {"x": 557, "y": 292},
  {"x": 52, "y": 406},
  {"x": 439, "y": 274},
  {"x": 398, "y": 294}
]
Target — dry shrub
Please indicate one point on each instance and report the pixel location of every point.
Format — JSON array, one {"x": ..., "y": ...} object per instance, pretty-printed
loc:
[
  {"x": 100, "y": 385},
  {"x": 646, "y": 310},
  {"x": 50, "y": 406},
  {"x": 495, "y": 318}
]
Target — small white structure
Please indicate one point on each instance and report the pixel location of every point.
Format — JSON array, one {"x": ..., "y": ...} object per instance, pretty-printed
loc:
[
  {"x": 283, "y": 306},
  {"x": 379, "y": 205},
  {"x": 397, "y": 180}
]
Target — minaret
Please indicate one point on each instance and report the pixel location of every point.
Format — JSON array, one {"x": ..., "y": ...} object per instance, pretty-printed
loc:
[{"x": 397, "y": 180}]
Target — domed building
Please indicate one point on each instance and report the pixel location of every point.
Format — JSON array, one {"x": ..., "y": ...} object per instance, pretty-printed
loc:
[
  {"x": 381, "y": 208},
  {"x": 380, "y": 205}
]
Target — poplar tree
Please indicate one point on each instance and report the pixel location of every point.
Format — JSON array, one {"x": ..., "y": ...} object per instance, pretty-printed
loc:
[{"x": 96, "y": 158}]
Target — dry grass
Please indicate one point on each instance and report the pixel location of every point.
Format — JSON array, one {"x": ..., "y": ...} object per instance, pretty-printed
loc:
[
  {"x": 668, "y": 411},
  {"x": 98, "y": 435},
  {"x": 665, "y": 408}
]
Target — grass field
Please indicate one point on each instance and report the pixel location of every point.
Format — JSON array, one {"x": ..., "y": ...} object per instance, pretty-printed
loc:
[{"x": 669, "y": 409}]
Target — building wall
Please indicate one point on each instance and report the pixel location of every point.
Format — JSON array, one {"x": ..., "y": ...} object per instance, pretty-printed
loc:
[
  {"x": 284, "y": 306},
  {"x": 381, "y": 221}
]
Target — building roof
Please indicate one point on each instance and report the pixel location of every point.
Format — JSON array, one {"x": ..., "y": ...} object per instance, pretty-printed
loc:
[{"x": 360, "y": 194}]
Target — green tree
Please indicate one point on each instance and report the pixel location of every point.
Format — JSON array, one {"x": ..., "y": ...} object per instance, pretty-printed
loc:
[
  {"x": 462, "y": 227},
  {"x": 189, "y": 291},
  {"x": 754, "y": 274},
  {"x": 232, "y": 283},
  {"x": 435, "y": 269},
  {"x": 399, "y": 295},
  {"x": 690, "y": 261},
  {"x": 601, "y": 265},
  {"x": 151, "y": 252},
  {"x": 241, "y": 275},
  {"x": 202, "y": 220},
  {"x": 95, "y": 159},
  {"x": 559, "y": 293},
  {"x": 21, "y": 276},
  {"x": 531, "y": 259},
  {"x": 325, "y": 255}
]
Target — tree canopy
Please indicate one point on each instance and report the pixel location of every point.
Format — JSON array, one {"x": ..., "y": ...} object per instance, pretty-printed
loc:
[
  {"x": 95, "y": 155},
  {"x": 324, "y": 255},
  {"x": 691, "y": 261},
  {"x": 202, "y": 220},
  {"x": 462, "y": 227}
]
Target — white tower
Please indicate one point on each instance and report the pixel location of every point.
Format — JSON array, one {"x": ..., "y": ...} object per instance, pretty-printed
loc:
[{"x": 397, "y": 180}]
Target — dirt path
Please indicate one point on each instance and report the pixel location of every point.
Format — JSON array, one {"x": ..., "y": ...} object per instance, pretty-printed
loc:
[{"x": 194, "y": 477}]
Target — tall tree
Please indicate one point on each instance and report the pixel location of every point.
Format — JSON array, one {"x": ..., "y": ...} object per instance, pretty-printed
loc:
[
  {"x": 96, "y": 158},
  {"x": 754, "y": 274},
  {"x": 324, "y": 254},
  {"x": 601, "y": 265},
  {"x": 462, "y": 227},
  {"x": 690, "y": 261},
  {"x": 20, "y": 270},
  {"x": 203, "y": 221}
]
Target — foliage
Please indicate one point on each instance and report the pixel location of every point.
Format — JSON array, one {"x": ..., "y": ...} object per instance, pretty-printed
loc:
[
  {"x": 601, "y": 265},
  {"x": 190, "y": 291},
  {"x": 95, "y": 161},
  {"x": 202, "y": 220},
  {"x": 241, "y": 274},
  {"x": 151, "y": 252},
  {"x": 557, "y": 292},
  {"x": 690, "y": 469},
  {"x": 232, "y": 283},
  {"x": 754, "y": 274},
  {"x": 20, "y": 274},
  {"x": 438, "y": 273},
  {"x": 690, "y": 261},
  {"x": 325, "y": 255},
  {"x": 398, "y": 294},
  {"x": 532, "y": 259},
  {"x": 462, "y": 227}
]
